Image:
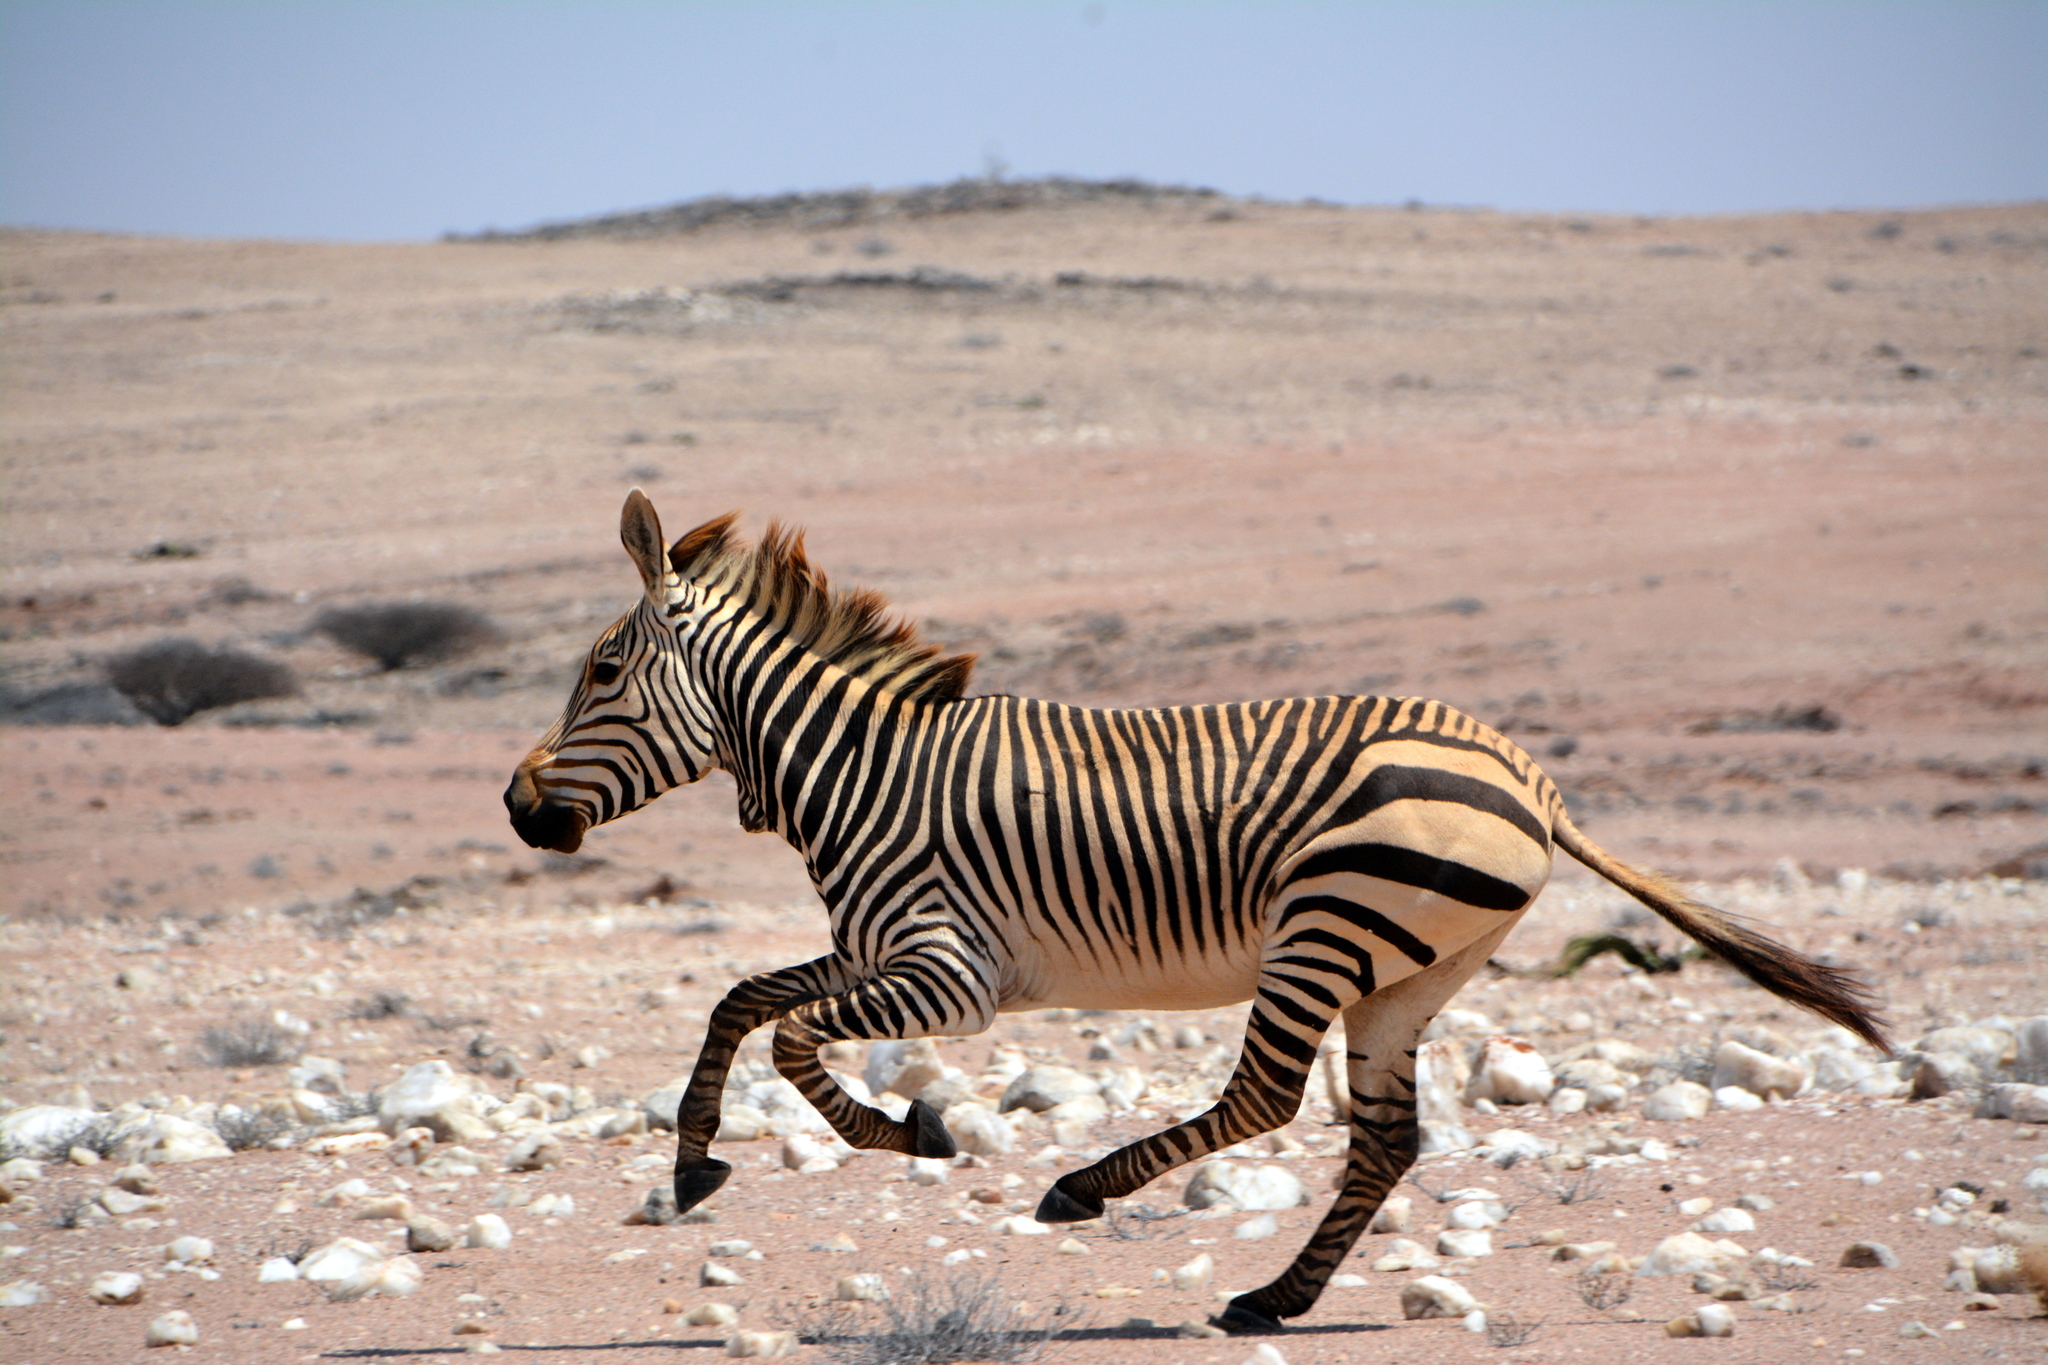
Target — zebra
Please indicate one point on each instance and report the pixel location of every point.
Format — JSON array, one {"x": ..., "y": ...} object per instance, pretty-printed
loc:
[{"x": 1322, "y": 857}]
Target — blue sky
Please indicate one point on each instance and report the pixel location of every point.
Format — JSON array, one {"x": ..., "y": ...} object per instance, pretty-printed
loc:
[{"x": 371, "y": 121}]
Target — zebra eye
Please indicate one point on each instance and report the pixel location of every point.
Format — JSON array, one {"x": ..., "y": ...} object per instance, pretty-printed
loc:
[{"x": 604, "y": 672}]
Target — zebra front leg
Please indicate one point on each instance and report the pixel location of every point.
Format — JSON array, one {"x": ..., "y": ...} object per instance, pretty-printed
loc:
[
  {"x": 747, "y": 1006},
  {"x": 1288, "y": 1019},
  {"x": 1381, "y": 1034},
  {"x": 916, "y": 997}
]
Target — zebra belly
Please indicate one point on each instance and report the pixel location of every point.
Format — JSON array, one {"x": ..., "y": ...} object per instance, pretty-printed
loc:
[{"x": 1051, "y": 979}]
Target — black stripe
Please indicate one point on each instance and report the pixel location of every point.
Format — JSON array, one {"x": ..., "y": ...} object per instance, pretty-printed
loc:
[
  {"x": 1372, "y": 921},
  {"x": 1392, "y": 863},
  {"x": 1391, "y": 782}
]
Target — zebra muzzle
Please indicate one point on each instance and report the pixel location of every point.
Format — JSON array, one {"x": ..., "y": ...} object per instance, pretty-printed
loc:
[{"x": 540, "y": 822}]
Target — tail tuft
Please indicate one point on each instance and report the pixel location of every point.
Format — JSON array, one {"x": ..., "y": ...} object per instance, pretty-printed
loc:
[{"x": 1834, "y": 993}]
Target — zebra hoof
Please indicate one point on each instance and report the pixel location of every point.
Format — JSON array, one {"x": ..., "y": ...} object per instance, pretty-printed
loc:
[
  {"x": 698, "y": 1183},
  {"x": 928, "y": 1135},
  {"x": 1241, "y": 1321},
  {"x": 1058, "y": 1206}
]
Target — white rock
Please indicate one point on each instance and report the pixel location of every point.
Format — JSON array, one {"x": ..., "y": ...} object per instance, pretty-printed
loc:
[
  {"x": 1757, "y": 1072},
  {"x": 1264, "y": 1353},
  {"x": 1693, "y": 1208},
  {"x": 1586, "y": 1072},
  {"x": 2030, "y": 1050},
  {"x": 801, "y": 1152},
  {"x": 712, "y": 1274},
  {"x": 1735, "y": 1099},
  {"x": 189, "y": 1251},
  {"x": 1440, "y": 1075},
  {"x": 1989, "y": 1049},
  {"x": 320, "y": 1075},
  {"x": 1433, "y": 1296},
  {"x": 1995, "y": 1270},
  {"x": 174, "y": 1328},
  {"x": 434, "y": 1096},
  {"x": 1017, "y": 1225},
  {"x": 489, "y": 1231},
  {"x": 980, "y": 1132},
  {"x": 1475, "y": 1214},
  {"x": 1688, "y": 1253},
  {"x": 1196, "y": 1274},
  {"x": 859, "y": 1288},
  {"x": 394, "y": 1277},
  {"x": 116, "y": 1287},
  {"x": 1456, "y": 1023},
  {"x": 1253, "y": 1189},
  {"x": 1726, "y": 1220},
  {"x": 925, "y": 1170},
  {"x": 1464, "y": 1242},
  {"x": 43, "y": 1131},
  {"x": 761, "y": 1344},
  {"x": 1510, "y": 1071},
  {"x": 168, "y": 1140},
  {"x": 535, "y": 1151},
  {"x": 277, "y": 1270},
  {"x": 339, "y": 1259},
  {"x": 1935, "y": 1074},
  {"x": 741, "y": 1122},
  {"x": 1678, "y": 1102},
  {"x": 1606, "y": 1099},
  {"x": 1506, "y": 1146},
  {"x": 1255, "y": 1229},
  {"x": 1404, "y": 1254},
  {"x": 1043, "y": 1087},
  {"x": 1393, "y": 1214},
  {"x": 712, "y": 1315},
  {"x": 553, "y": 1206},
  {"x": 22, "y": 1294},
  {"x": 2011, "y": 1100},
  {"x": 904, "y": 1066},
  {"x": 1715, "y": 1319},
  {"x": 1566, "y": 1100},
  {"x": 1187, "y": 1036}
]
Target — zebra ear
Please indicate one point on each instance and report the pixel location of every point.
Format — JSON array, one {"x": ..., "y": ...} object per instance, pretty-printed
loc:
[{"x": 640, "y": 531}]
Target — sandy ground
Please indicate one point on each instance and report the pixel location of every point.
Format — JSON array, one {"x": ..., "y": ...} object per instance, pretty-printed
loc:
[{"x": 1655, "y": 496}]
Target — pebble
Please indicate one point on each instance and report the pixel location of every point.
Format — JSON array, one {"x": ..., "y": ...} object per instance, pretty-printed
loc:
[
  {"x": 712, "y": 1315},
  {"x": 277, "y": 1270},
  {"x": 1868, "y": 1256},
  {"x": 393, "y": 1278},
  {"x": 1252, "y": 1189},
  {"x": 1403, "y": 1254},
  {"x": 980, "y": 1131},
  {"x": 1043, "y": 1088},
  {"x": 1678, "y": 1102},
  {"x": 1017, "y": 1225},
  {"x": 189, "y": 1251},
  {"x": 116, "y": 1287},
  {"x": 1069, "y": 1247},
  {"x": 534, "y": 1152},
  {"x": 1759, "y": 1073},
  {"x": 1433, "y": 1296},
  {"x": 1726, "y": 1220},
  {"x": 1688, "y": 1253},
  {"x": 489, "y": 1231},
  {"x": 740, "y": 1246},
  {"x": 1196, "y": 1274},
  {"x": 1393, "y": 1214},
  {"x": 22, "y": 1294},
  {"x": 428, "y": 1234},
  {"x": 859, "y": 1288},
  {"x": 174, "y": 1328},
  {"x": 766, "y": 1344},
  {"x": 1458, "y": 1242},
  {"x": 1192, "y": 1330},
  {"x": 432, "y": 1095},
  {"x": 1510, "y": 1071},
  {"x": 712, "y": 1274},
  {"x": 1255, "y": 1229}
]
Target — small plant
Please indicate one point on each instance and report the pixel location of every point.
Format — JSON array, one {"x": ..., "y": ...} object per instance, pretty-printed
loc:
[
  {"x": 1574, "y": 1187},
  {"x": 1505, "y": 1329},
  {"x": 1647, "y": 957},
  {"x": 1134, "y": 1224},
  {"x": 253, "y": 1042},
  {"x": 398, "y": 633},
  {"x": 173, "y": 680},
  {"x": 1780, "y": 1278},
  {"x": 70, "y": 1214},
  {"x": 1604, "y": 1292},
  {"x": 101, "y": 1135},
  {"x": 245, "y": 1130},
  {"x": 929, "y": 1321},
  {"x": 381, "y": 1005}
]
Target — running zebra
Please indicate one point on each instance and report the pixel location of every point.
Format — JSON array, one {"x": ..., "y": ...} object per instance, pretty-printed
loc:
[{"x": 1322, "y": 856}]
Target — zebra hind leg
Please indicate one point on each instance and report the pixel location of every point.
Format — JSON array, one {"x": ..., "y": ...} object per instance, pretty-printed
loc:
[
  {"x": 1384, "y": 1141},
  {"x": 1381, "y": 1034}
]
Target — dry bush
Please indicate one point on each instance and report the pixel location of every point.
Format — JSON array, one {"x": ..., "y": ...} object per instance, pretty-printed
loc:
[
  {"x": 253, "y": 1042},
  {"x": 173, "y": 680},
  {"x": 245, "y": 1130},
  {"x": 1505, "y": 1329},
  {"x": 398, "y": 633},
  {"x": 938, "y": 1320},
  {"x": 1604, "y": 1293}
]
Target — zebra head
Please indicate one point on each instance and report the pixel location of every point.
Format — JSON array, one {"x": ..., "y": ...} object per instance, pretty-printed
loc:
[{"x": 635, "y": 726}]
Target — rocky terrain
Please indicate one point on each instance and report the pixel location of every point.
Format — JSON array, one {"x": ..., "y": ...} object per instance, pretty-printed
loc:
[{"x": 1733, "y": 523}]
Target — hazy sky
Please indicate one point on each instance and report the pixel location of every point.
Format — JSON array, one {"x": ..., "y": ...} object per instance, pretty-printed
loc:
[{"x": 402, "y": 120}]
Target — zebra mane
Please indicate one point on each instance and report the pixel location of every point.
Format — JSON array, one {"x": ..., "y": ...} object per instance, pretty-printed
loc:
[{"x": 851, "y": 627}]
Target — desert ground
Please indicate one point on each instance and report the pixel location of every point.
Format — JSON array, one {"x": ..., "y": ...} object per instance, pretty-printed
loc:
[{"x": 1734, "y": 523}]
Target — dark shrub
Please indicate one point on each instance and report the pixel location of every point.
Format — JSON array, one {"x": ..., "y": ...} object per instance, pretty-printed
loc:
[
  {"x": 173, "y": 680},
  {"x": 399, "y": 633},
  {"x": 253, "y": 1042},
  {"x": 76, "y": 703}
]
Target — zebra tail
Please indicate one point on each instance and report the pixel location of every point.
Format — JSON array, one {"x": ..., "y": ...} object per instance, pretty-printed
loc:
[{"x": 1834, "y": 993}]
